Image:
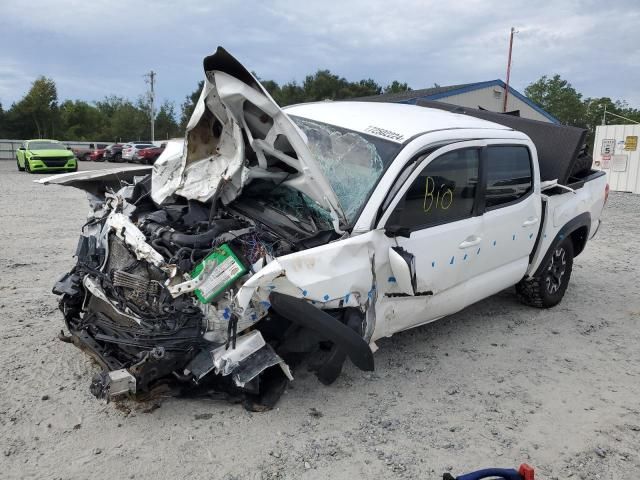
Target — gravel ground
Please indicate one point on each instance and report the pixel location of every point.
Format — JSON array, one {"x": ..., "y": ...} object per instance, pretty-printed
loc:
[{"x": 495, "y": 385}]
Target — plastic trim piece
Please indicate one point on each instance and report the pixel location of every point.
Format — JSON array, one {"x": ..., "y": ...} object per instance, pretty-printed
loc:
[
  {"x": 582, "y": 220},
  {"x": 302, "y": 313}
]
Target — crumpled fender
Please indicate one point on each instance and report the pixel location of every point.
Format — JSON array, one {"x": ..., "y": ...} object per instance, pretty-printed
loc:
[{"x": 335, "y": 275}]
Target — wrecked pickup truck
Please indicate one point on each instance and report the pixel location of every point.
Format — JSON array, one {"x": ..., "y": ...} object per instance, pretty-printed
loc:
[{"x": 267, "y": 236}]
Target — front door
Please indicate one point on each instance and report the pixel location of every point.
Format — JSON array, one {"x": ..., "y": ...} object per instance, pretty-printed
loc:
[{"x": 436, "y": 213}]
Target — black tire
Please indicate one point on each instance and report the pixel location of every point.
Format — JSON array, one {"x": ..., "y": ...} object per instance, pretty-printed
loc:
[
  {"x": 117, "y": 157},
  {"x": 27, "y": 168},
  {"x": 19, "y": 167},
  {"x": 547, "y": 287},
  {"x": 86, "y": 157}
]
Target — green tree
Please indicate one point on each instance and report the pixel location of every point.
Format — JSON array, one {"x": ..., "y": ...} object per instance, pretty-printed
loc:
[
  {"x": 595, "y": 108},
  {"x": 363, "y": 88},
  {"x": 189, "y": 104},
  {"x": 80, "y": 120},
  {"x": 18, "y": 123},
  {"x": 397, "y": 87},
  {"x": 166, "y": 125},
  {"x": 324, "y": 85},
  {"x": 3, "y": 115},
  {"x": 41, "y": 105},
  {"x": 289, "y": 94},
  {"x": 129, "y": 122},
  {"x": 559, "y": 98}
]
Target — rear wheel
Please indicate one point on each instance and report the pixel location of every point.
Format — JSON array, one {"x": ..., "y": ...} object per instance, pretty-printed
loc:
[
  {"x": 86, "y": 157},
  {"x": 19, "y": 167},
  {"x": 117, "y": 157},
  {"x": 547, "y": 287}
]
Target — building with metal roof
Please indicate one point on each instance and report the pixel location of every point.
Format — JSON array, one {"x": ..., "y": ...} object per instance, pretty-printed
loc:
[{"x": 484, "y": 95}]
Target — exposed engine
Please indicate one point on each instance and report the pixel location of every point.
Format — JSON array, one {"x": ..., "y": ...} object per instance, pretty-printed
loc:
[
  {"x": 165, "y": 293},
  {"x": 150, "y": 289}
]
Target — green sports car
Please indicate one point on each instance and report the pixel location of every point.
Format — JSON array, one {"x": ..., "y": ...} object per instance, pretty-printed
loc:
[{"x": 44, "y": 155}]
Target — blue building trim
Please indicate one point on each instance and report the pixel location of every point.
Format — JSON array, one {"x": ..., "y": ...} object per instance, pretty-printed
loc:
[{"x": 480, "y": 85}]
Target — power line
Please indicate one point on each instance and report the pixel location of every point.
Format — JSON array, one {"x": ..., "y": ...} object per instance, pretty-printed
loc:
[{"x": 605, "y": 113}]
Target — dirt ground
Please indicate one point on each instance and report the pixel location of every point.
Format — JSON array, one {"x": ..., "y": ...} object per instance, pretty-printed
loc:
[{"x": 495, "y": 385}]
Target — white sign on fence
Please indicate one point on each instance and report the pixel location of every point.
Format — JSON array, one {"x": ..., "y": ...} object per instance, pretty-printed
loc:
[{"x": 608, "y": 146}]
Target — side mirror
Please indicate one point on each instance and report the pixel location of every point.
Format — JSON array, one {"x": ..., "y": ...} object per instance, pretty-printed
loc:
[
  {"x": 397, "y": 231},
  {"x": 69, "y": 148},
  {"x": 403, "y": 267}
]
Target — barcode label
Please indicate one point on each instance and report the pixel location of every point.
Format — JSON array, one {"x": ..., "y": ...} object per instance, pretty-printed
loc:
[{"x": 220, "y": 275}]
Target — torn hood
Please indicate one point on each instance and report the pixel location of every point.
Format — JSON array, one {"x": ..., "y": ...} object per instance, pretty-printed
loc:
[{"x": 237, "y": 133}]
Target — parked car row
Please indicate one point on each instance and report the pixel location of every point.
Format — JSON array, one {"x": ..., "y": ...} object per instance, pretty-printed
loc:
[
  {"x": 132, "y": 152},
  {"x": 44, "y": 155}
]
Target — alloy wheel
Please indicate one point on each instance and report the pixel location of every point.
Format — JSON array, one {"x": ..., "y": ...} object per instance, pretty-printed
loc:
[{"x": 556, "y": 270}]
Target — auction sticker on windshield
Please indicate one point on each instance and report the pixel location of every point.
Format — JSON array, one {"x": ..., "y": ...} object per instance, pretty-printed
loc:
[{"x": 383, "y": 132}]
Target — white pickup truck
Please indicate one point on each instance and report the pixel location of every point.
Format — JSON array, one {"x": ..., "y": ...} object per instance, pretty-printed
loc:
[{"x": 316, "y": 229}]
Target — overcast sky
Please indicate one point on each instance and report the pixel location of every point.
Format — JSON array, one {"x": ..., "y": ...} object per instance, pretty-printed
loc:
[{"x": 94, "y": 48}]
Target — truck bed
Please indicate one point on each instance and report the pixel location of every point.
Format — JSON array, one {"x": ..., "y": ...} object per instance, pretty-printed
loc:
[{"x": 563, "y": 209}]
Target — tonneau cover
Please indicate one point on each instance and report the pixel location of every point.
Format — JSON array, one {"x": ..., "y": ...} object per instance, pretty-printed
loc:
[{"x": 558, "y": 145}]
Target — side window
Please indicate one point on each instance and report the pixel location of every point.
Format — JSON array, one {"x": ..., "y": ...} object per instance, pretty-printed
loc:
[
  {"x": 444, "y": 192},
  {"x": 509, "y": 175}
]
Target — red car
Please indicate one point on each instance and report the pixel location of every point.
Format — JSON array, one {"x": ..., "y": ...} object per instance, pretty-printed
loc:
[
  {"x": 84, "y": 153},
  {"x": 97, "y": 155},
  {"x": 148, "y": 155}
]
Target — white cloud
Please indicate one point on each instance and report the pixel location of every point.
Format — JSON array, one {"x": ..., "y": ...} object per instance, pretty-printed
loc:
[{"x": 102, "y": 44}]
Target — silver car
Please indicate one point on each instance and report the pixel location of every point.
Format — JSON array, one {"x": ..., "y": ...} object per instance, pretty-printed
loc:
[{"x": 130, "y": 149}]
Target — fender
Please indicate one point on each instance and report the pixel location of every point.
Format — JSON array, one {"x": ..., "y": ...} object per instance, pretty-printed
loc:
[{"x": 582, "y": 220}]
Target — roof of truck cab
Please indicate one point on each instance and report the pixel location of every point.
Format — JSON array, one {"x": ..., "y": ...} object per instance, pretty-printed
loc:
[{"x": 393, "y": 121}]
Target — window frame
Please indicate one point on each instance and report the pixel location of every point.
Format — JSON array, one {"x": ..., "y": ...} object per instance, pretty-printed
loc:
[
  {"x": 421, "y": 161},
  {"x": 484, "y": 166},
  {"x": 425, "y": 156}
]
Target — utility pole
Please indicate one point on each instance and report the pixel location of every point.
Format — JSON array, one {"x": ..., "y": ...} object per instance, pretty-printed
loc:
[
  {"x": 152, "y": 76},
  {"x": 506, "y": 91}
]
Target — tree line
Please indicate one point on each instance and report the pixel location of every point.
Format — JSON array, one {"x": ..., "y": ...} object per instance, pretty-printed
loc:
[
  {"x": 40, "y": 114},
  {"x": 558, "y": 97}
]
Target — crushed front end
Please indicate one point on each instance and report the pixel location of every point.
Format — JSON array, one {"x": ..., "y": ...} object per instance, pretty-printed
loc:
[
  {"x": 151, "y": 295},
  {"x": 184, "y": 280}
]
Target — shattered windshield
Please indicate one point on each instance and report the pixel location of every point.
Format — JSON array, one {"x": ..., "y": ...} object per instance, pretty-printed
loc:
[
  {"x": 291, "y": 203},
  {"x": 352, "y": 162}
]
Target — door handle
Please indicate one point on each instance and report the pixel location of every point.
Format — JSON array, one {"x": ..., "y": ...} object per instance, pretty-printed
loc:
[
  {"x": 471, "y": 241},
  {"x": 530, "y": 221}
]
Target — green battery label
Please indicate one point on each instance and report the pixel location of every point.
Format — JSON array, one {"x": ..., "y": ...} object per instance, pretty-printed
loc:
[{"x": 223, "y": 268}]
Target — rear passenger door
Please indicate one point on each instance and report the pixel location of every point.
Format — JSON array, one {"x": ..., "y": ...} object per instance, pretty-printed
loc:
[{"x": 510, "y": 220}]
